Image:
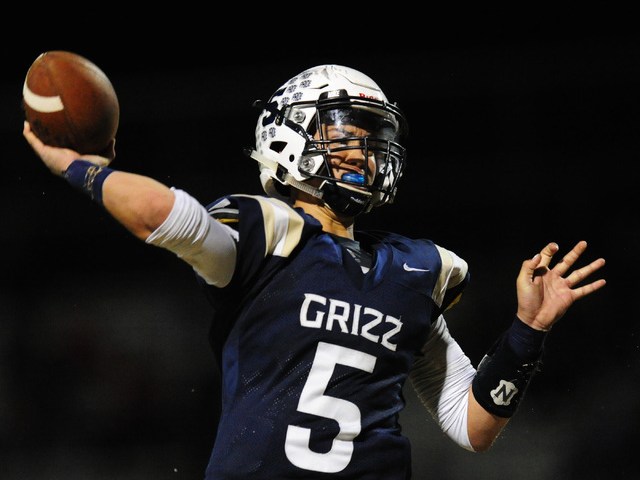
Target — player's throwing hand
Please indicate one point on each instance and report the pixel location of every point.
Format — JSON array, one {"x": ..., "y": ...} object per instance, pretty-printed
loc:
[{"x": 58, "y": 159}]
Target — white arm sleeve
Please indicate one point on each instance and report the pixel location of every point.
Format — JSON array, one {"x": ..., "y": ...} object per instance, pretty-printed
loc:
[
  {"x": 441, "y": 378},
  {"x": 194, "y": 236}
]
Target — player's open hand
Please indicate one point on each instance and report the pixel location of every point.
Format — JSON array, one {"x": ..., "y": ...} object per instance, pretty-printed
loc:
[
  {"x": 57, "y": 159},
  {"x": 545, "y": 293}
]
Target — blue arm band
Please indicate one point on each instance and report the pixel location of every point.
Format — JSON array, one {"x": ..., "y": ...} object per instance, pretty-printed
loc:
[
  {"x": 87, "y": 177},
  {"x": 506, "y": 370}
]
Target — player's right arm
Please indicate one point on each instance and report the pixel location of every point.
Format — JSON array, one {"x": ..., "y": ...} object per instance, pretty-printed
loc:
[
  {"x": 154, "y": 213},
  {"x": 139, "y": 203}
]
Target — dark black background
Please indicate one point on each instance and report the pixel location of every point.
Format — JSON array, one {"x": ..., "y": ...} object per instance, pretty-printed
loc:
[{"x": 524, "y": 130}]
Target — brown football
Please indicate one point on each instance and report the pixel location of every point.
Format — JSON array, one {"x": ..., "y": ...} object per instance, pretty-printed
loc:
[{"x": 70, "y": 102}]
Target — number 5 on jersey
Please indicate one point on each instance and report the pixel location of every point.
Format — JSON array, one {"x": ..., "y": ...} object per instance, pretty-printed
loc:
[{"x": 315, "y": 402}]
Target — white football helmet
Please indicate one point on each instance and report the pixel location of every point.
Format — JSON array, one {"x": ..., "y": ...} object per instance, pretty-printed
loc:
[{"x": 292, "y": 145}]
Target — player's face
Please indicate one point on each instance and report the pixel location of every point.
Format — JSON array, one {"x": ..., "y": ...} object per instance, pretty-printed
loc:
[{"x": 349, "y": 160}]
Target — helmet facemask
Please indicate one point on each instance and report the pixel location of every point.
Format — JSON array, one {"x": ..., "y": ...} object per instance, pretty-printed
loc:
[{"x": 359, "y": 139}]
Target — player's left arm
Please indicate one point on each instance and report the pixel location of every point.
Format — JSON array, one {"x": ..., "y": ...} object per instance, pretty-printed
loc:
[
  {"x": 442, "y": 374},
  {"x": 544, "y": 295}
]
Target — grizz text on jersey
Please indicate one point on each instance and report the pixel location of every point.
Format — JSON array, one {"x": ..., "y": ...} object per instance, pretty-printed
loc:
[{"x": 349, "y": 318}]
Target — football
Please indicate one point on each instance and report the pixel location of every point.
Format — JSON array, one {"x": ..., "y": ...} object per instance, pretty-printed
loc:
[{"x": 70, "y": 102}]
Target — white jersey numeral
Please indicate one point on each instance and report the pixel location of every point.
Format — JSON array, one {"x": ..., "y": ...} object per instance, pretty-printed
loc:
[{"x": 314, "y": 401}]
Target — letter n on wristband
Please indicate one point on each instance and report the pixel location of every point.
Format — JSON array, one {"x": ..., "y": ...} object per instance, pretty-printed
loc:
[
  {"x": 503, "y": 376},
  {"x": 88, "y": 178}
]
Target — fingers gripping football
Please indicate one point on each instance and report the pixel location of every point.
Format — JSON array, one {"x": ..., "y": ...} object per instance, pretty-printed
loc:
[{"x": 58, "y": 159}]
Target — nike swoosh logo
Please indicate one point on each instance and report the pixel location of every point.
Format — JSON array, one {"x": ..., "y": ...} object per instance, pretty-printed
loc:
[{"x": 412, "y": 269}]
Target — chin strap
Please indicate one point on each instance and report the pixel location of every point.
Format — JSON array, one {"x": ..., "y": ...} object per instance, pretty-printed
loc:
[{"x": 345, "y": 199}]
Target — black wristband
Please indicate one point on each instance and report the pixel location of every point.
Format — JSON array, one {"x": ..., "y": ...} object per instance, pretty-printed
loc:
[
  {"x": 506, "y": 370},
  {"x": 87, "y": 177},
  {"x": 525, "y": 341}
]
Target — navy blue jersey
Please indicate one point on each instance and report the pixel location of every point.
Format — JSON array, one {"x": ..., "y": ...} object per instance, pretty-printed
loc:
[{"x": 314, "y": 353}]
